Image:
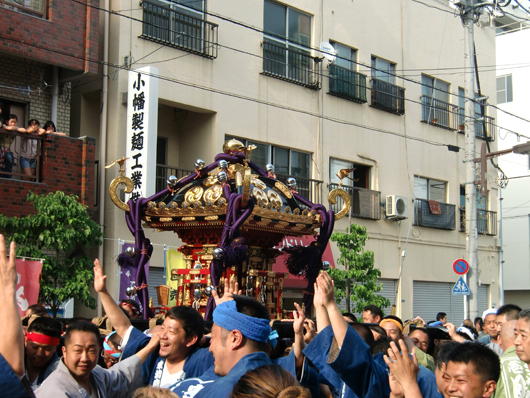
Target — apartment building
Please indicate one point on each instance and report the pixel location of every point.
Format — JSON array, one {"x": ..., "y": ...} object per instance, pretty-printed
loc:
[
  {"x": 513, "y": 83},
  {"x": 390, "y": 105},
  {"x": 45, "y": 47}
]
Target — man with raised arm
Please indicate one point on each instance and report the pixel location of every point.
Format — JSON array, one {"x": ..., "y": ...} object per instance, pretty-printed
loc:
[
  {"x": 178, "y": 357},
  {"x": 338, "y": 351},
  {"x": 12, "y": 341},
  {"x": 240, "y": 334}
]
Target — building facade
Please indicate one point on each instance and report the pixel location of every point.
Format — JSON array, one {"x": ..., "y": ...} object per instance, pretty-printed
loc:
[
  {"x": 388, "y": 105},
  {"x": 513, "y": 84}
]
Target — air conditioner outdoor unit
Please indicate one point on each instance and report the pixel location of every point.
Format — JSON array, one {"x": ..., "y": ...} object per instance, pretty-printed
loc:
[{"x": 397, "y": 207}]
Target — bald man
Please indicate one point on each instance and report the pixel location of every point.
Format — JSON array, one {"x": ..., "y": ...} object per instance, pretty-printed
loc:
[{"x": 511, "y": 383}]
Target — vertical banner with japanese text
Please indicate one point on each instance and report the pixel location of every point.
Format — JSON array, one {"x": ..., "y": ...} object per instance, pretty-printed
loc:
[{"x": 142, "y": 126}]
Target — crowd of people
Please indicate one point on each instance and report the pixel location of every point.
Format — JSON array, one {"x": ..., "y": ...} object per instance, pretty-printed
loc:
[
  {"x": 332, "y": 355},
  {"x": 28, "y": 149}
]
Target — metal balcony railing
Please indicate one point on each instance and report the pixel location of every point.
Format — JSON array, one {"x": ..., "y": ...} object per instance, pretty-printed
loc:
[
  {"x": 37, "y": 8},
  {"x": 163, "y": 172},
  {"x": 306, "y": 187},
  {"x": 486, "y": 221},
  {"x": 171, "y": 27},
  {"x": 439, "y": 113},
  {"x": 423, "y": 216},
  {"x": 347, "y": 84},
  {"x": 365, "y": 202},
  {"x": 388, "y": 97},
  {"x": 16, "y": 139},
  {"x": 484, "y": 125},
  {"x": 293, "y": 65}
]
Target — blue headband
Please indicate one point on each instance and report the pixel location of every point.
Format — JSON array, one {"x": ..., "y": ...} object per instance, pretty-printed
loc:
[
  {"x": 226, "y": 316},
  {"x": 273, "y": 338}
]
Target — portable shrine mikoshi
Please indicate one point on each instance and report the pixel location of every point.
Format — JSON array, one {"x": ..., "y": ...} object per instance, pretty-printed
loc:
[{"x": 230, "y": 214}]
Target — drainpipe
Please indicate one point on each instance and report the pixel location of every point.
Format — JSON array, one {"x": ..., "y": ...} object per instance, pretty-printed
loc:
[
  {"x": 55, "y": 94},
  {"x": 103, "y": 133}
]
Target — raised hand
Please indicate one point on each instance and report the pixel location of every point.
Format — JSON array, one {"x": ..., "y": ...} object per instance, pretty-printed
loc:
[
  {"x": 100, "y": 285},
  {"x": 326, "y": 288},
  {"x": 299, "y": 318},
  {"x": 310, "y": 331},
  {"x": 403, "y": 368},
  {"x": 231, "y": 288},
  {"x": 8, "y": 269}
]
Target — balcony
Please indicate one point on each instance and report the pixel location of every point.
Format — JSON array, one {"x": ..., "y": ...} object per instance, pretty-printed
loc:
[
  {"x": 484, "y": 125},
  {"x": 37, "y": 8},
  {"x": 291, "y": 64},
  {"x": 486, "y": 221},
  {"x": 12, "y": 170},
  {"x": 439, "y": 113},
  {"x": 171, "y": 27},
  {"x": 347, "y": 84},
  {"x": 424, "y": 217},
  {"x": 365, "y": 202},
  {"x": 388, "y": 97},
  {"x": 306, "y": 187},
  {"x": 63, "y": 164},
  {"x": 163, "y": 172}
]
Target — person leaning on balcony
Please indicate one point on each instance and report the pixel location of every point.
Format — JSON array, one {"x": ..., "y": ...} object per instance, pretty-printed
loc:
[
  {"x": 28, "y": 153},
  {"x": 50, "y": 128},
  {"x": 6, "y": 141}
]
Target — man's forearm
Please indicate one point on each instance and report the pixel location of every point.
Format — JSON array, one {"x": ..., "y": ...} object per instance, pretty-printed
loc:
[
  {"x": 12, "y": 341},
  {"x": 117, "y": 318},
  {"x": 338, "y": 324}
]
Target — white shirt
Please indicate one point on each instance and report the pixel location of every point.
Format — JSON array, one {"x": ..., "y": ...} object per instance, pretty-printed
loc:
[{"x": 168, "y": 379}]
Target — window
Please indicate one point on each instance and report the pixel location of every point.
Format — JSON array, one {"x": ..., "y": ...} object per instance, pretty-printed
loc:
[
  {"x": 383, "y": 70},
  {"x": 344, "y": 82},
  {"x": 365, "y": 203},
  {"x": 286, "y": 44},
  {"x": 434, "y": 88},
  {"x": 461, "y": 108},
  {"x": 180, "y": 24},
  {"x": 287, "y": 163},
  {"x": 360, "y": 177},
  {"x": 161, "y": 150},
  {"x": 435, "y": 99},
  {"x": 504, "y": 89},
  {"x": 429, "y": 189},
  {"x": 34, "y": 7},
  {"x": 346, "y": 56},
  {"x": 385, "y": 94}
]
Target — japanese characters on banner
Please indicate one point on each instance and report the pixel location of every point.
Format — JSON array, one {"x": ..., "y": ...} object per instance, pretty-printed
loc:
[
  {"x": 142, "y": 125},
  {"x": 28, "y": 284}
]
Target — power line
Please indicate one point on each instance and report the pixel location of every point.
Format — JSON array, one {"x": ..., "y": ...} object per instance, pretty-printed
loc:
[
  {"x": 226, "y": 93},
  {"x": 242, "y": 97}
]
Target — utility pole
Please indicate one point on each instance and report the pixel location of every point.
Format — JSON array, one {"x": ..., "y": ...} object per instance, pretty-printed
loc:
[{"x": 471, "y": 191}]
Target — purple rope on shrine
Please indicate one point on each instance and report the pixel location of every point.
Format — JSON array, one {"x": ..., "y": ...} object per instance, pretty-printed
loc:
[{"x": 142, "y": 245}]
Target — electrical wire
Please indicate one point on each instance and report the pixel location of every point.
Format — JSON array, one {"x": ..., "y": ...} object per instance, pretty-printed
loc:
[
  {"x": 240, "y": 23},
  {"x": 185, "y": 83}
]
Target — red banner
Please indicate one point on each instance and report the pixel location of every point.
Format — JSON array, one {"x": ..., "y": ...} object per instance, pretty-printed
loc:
[{"x": 28, "y": 284}]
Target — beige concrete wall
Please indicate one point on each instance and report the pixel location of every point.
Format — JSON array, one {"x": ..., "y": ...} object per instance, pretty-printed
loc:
[{"x": 229, "y": 96}]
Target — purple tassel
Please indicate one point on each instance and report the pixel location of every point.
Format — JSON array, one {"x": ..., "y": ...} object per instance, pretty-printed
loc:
[
  {"x": 236, "y": 252},
  {"x": 126, "y": 261},
  {"x": 304, "y": 260}
]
